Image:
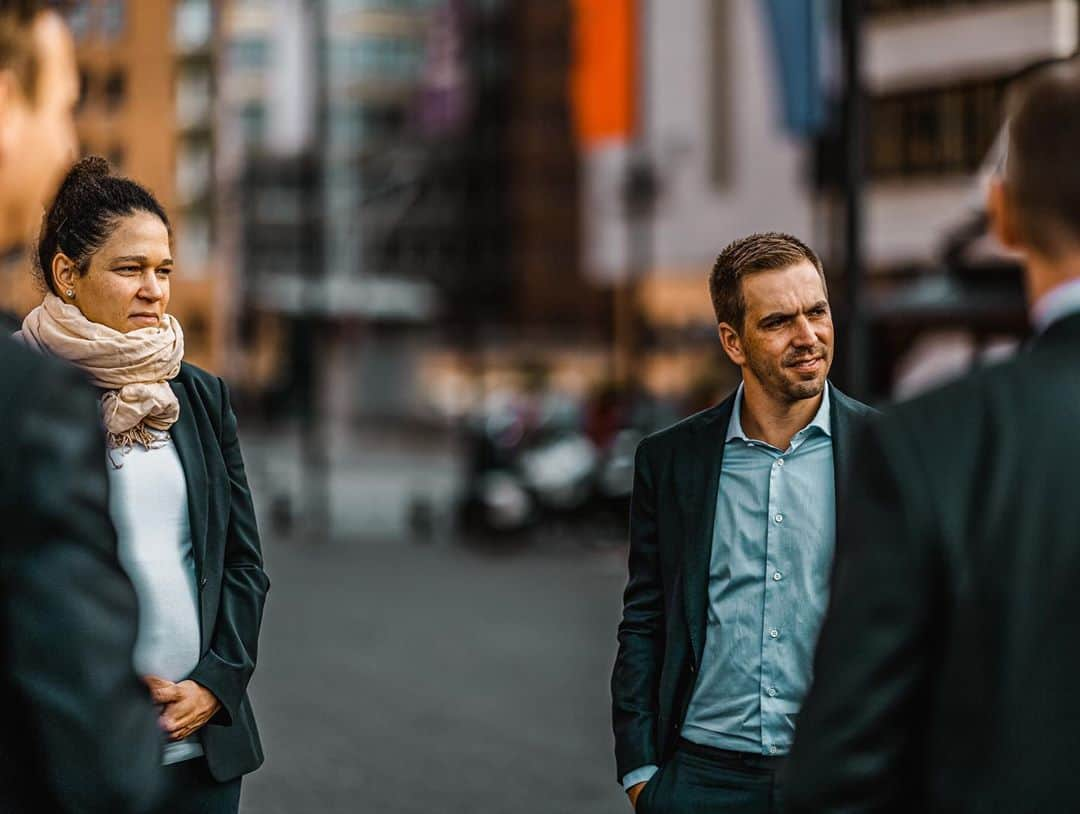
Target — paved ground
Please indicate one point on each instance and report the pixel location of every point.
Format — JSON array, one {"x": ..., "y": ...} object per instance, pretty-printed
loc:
[{"x": 408, "y": 678}]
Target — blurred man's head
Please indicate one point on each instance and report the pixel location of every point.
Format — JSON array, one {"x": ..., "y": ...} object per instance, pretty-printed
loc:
[
  {"x": 772, "y": 308},
  {"x": 38, "y": 89},
  {"x": 1035, "y": 203}
]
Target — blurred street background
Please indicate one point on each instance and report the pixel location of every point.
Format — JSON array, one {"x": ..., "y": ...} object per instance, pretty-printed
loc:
[{"x": 451, "y": 257}]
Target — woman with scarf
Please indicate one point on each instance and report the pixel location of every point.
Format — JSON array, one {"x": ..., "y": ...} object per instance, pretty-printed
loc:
[{"x": 178, "y": 493}]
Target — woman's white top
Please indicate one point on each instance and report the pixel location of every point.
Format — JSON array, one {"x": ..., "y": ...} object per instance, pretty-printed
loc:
[{"x": 149, "y": 507}]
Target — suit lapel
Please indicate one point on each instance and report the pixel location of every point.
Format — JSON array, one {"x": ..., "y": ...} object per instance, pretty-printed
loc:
[
  {"x": 849, "y": 417},
  {"x": 699, "y": 475},
  {"x": 185, "y": 437}
]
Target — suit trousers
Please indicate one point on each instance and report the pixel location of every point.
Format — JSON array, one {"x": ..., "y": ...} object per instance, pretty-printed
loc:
[
  {"x": 694, "y": 781},
  {"x": 191, "y": 789}
]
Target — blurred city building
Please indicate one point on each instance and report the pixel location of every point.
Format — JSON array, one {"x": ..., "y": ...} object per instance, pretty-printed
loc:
[
  {"x": 706, "y": 126},
  {"x": 942, "y": 297},
  {"x": 936, "y": 73},
  {"x": 149, "y": 105},
  {"x": 391, "y": 208},
  {"x": 406, "y": 199},
  {"x": 714, "y": 89}
]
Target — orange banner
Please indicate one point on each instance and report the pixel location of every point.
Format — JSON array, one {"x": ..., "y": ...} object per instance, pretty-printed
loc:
[{"x": 604, "y": 80}]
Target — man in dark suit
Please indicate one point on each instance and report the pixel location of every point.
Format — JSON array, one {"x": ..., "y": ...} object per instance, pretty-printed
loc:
[
  {"x": 945, "y": 674},
  {"x": 79, "y": 732},
  {"x": 731, "y": 545}
]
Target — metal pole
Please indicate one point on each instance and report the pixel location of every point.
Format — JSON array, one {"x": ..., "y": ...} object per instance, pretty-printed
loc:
[
  {"x": 315, "y": 454},
  {"x": 854, "y": 119},
  {"x": 639, "y": 195}
]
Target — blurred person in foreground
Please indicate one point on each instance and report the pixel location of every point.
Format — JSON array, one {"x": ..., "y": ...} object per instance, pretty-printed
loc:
[
  {"x": 79, "y": 732},
  {"x": 731, "y": 546},
  {"x": 946, "y": 671},
  {"x": 178, "y": 492}
]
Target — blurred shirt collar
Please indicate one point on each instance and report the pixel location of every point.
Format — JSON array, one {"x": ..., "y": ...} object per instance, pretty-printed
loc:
[
  {"x": 822, "y": 418},
  {"x": 1057, "y": 303}
]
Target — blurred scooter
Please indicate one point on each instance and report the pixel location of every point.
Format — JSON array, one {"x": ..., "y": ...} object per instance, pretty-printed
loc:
[{"x": 523, "y": 472}]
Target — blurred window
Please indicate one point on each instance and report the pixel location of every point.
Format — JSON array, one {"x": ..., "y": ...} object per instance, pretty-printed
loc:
[
  {"x": 251, "y": 53},
  {"x": 194, "y": 171},
  {"x": 193, "y": 24},
  {"x": 79, "y": 18},
  {"x": 84, "y": 88},
  {"x": 253, "y": 122},
  {"x": 356, "y": 124},
  {"x": 382, "y": 121},
  {"x": 113, "y": 19},
  {"x": 384, "y": 5},
  {"x": 376, "y": 57},
  {"x": 279, "y": 207},
  {"x": 892, "y": 6},
  {"x": 345, "y": 125},
  {"x": 934, "y": 131},
  {"x": 196, "y": 332},
  {"x": 194, "y": 248},
  {"x": 194, "y": 95},
  {"x": 115, "y": 90}
]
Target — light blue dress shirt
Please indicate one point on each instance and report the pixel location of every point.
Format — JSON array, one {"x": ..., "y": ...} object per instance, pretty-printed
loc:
[{"x": 772, "y": 551}]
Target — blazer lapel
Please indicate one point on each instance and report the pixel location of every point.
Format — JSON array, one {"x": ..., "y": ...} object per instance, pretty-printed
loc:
[
  {"x": 699, "y": 475},
  {"x": 840, "y": 417},
  {"x": 185, "y": 437}
]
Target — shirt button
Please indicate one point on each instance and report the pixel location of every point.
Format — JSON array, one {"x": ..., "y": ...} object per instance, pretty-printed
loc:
[
  {"x": 772, "y": 750},
  {"x": 774, "y": 633},
  {"x": 779, "y": 518},
  {"x": 772, "y": 692},
  {"x": 779, "y": 461},
  {"x": 777, "y": 576}
]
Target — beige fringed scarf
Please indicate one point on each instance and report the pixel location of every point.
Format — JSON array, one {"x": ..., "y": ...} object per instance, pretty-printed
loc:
[{"x": 134, "y": 368}]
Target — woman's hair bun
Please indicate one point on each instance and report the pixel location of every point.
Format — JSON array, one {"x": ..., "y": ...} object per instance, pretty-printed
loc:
[
  {"x": 85, "y": 173},
  {"x": 92, "y": 166}
]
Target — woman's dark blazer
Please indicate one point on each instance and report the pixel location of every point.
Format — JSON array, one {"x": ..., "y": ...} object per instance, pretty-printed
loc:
[{"x": 228, "y": 567}]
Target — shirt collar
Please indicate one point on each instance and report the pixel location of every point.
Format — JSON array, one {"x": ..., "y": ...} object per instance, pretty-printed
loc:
[
  {"x": 1057, "y": 303},
  {"x": 822, "y": 419}
]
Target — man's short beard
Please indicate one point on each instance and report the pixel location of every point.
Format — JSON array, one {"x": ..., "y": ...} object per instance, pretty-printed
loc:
[
  {"x": 779, "y": 386},
  {"x": 799, "y": 391}
]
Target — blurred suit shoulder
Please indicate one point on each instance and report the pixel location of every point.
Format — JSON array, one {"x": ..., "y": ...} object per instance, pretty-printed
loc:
[{"x": 37, "y": 387}]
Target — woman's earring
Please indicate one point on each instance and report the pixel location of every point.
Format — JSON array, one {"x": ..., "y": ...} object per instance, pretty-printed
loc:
[{"x": 70, "y": 293}]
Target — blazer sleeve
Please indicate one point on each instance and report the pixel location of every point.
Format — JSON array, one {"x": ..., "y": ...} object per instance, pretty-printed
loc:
[
  {"x": 228, "y": 664},
  {"x": 69, "y": 612},
  {"x": 860, "y": 728},
  {"x": 636, "y": 677}
]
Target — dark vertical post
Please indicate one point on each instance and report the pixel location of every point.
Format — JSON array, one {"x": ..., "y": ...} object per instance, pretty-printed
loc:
[
  {"x": 854, "y": 121},
  {"x": 639, "y": 192},
  {"x": 316, "y": 464}
]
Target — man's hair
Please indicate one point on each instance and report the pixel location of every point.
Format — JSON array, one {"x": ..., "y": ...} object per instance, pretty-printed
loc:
[
  {"x": 1042, "y": 172},
  {"x": 17, "y": 49},
  {"x": 764, "y": 251}
]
